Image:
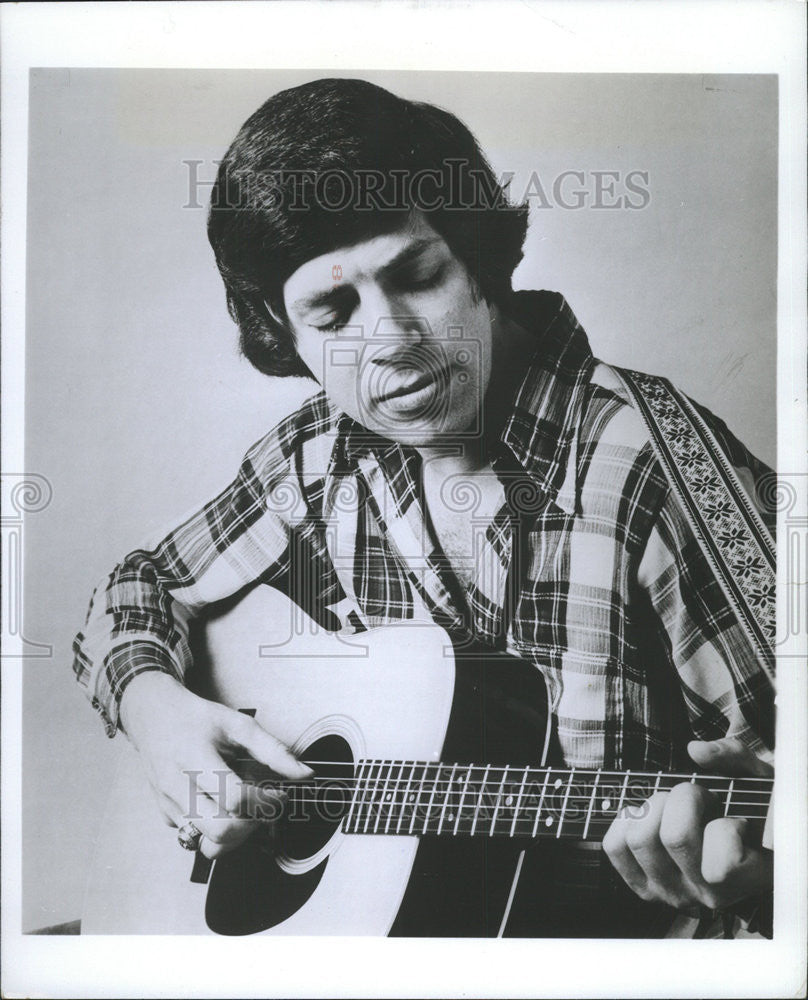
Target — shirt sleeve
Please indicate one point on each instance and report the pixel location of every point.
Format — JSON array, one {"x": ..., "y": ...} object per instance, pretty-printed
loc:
[
  {"x": 726, "y": 689},
  {"x": 139, "y": 614}
]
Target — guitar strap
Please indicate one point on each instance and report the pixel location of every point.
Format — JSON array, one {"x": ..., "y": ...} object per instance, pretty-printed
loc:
[{"x": 728, "y": 527}]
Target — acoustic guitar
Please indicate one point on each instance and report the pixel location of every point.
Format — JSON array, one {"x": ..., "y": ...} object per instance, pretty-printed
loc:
[{"x": 437, "y": 807}]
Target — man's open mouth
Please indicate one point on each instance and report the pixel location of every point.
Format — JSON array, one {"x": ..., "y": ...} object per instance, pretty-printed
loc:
[{"x": 404, "y": 384}]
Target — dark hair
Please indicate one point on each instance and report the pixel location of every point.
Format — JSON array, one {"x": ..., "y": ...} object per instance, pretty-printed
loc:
[{"x": 332, "y": 163}]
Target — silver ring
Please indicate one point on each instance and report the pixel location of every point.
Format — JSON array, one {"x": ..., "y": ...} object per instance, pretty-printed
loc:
[{"x": 189, "y": 837}]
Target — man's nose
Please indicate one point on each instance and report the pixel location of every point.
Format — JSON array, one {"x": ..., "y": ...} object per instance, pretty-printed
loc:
[
  {"x": 389, "y": 327},
  {"x": 392, "y": 334}
]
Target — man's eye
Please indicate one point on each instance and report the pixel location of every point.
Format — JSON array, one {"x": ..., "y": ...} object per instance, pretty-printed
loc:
[
  {"x": 416, "y": 282},
  {"x": 332, "y": 327}
]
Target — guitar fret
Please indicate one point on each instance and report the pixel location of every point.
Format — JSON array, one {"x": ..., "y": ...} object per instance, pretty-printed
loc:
[
  {"x": 479, "y": 799},
  {"x": 417, "y": 802},
  {"x": 383, "y": 798},
  {"x": 394, "y": 801},
  {"x": 404, "y": 797},
  {"x": 541, "y": 800},
  {"x": 729, "y": 796},
  {"x": 364, "y": 804},
  {"x": 564, "y": 804},
  {"x": 431, "y": 799},
  {"x": 362, "y": 811},
  {"x": 518, "y": 801},
  {"x": 355, "y": 796},
  {"x": 371, "y": 800},
  {"x": 462, "y": 799},
  {"x": 622, "y": 794},
  {"x": 446, "y": 799},
  {"x": 498, "y": 801},
  {"x": 592, "y": 798},
  {"x": 362, "y": 792}
]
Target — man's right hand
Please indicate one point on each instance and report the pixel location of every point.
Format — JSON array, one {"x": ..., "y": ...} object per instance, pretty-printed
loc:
[{"x": 185, "y": 743}]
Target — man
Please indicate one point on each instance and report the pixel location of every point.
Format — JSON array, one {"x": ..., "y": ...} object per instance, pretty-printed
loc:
[{"x": 364, "y": 241}]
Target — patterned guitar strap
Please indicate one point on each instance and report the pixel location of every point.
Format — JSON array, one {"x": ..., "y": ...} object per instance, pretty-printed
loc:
[{"x": 730, "y": 531}]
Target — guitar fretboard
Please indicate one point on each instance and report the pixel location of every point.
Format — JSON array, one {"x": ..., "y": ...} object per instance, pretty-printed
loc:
[{"x": 416, "y": 797}]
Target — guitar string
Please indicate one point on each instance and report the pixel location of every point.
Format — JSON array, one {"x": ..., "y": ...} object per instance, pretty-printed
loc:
[
  {"x": 503, "y": 812},
  {"x": 420, "y": 807},
  {"x": 331, "y": 794},
  {"x": 583, "y": 795},
  {"x": 392, "y": 797},
  {"x": 683, "y": 775},
  {"x": 740, "y": 796},
  {"x": 581, "y": 789},
  {"x": 504, "y": 818}
]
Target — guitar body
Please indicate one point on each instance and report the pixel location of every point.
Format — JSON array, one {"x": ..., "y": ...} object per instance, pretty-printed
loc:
[
  {"x": 437, "y": 808},
  {"x": 395, "y": 694}
]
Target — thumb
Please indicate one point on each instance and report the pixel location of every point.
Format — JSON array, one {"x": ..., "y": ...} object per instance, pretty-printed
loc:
[
  {"x": 728, "y": 756},
  {"x": 268, "y": 750}
]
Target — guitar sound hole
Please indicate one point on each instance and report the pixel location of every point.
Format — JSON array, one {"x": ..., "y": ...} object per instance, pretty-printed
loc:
[
  {"x": 315, "y": 808},
  {"x": 249, "y": 892}
]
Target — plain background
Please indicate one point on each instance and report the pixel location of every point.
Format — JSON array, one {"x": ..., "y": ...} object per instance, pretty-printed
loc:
[{"x": 138, "y": 405}]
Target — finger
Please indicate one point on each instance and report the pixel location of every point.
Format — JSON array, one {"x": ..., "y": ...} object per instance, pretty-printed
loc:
[
  {"x": 166, "y": 807},
  {"x": 215, "y": 779},
  {"x": 622, "y": 858},
  {"x": 212, "y": 850},
  {"x": 681, "y": 831},
  {"x": 728, "y": 861},
  {"x": 203, "y": 795},
  {"x": 264, "y": 747},
  {"x": 216, "y": 826},
  {"x": 728, "y": 756},
  {"x": 642, "y": 838},
  {"x": 220, "y": 831}
]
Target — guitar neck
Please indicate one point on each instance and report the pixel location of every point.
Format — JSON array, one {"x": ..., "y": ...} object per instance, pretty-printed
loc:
[{"x": 416, "y": 797}]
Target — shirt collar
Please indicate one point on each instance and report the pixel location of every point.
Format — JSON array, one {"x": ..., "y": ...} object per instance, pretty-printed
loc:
[{"x": 541, "y": 431}]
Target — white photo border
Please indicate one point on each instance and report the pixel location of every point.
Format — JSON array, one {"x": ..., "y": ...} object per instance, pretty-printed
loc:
[{"x": 610, "y": 36}]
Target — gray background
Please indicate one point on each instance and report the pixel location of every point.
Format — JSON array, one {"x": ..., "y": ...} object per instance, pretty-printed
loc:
[{"x": 138, "y": 406}]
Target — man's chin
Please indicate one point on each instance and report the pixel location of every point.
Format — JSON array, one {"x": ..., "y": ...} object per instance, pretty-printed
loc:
[{"x": 424, "y": 436}]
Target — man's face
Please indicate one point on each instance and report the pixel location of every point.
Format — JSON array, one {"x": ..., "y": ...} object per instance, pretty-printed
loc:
[{"x": 396, "y": 334}]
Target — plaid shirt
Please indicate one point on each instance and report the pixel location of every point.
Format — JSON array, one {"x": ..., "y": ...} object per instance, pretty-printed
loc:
[{"x": 588, "y": 569}]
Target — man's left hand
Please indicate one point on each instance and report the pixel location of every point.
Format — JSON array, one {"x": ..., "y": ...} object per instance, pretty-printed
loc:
[{"x": 680, "y": 851}]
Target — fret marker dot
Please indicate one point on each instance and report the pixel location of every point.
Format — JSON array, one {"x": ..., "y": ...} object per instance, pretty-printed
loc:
[
  {"x": 548, "y": 821},
  {"x": 557, "y": 783},
  {"x": 411, "y": 797},
  {"x": 606, "y": 804},
  {"x": 509, "y": 800},
  {"x": 388, "y": 796},
  {"x": 451, "y": 817}
]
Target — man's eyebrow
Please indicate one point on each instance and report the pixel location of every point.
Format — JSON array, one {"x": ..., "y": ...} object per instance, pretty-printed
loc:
[
  {"x": 328, "y": 297},
  {"x": 331, "y": 296},
  {"x": 408, "y": 253}
]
